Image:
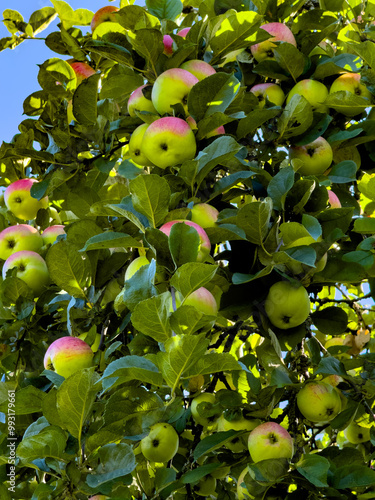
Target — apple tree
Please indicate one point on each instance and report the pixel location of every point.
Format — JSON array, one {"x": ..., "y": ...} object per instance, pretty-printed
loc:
[{"x": 188, "y": 254}]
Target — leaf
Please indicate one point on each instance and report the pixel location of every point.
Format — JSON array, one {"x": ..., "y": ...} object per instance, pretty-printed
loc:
[
  {"x": 330, "y": 320},
  {"x": 148, "y": 42},
  {"x": 296, "y": 117},
  {"x": 116, "y": 460},
  {"x": 255, "y": 119},
  {"x": 364, "y": 225},
  {"x": 84, "y": 100},
  {"x": 254, "y": 219},
  {"x": 343, "y": 172},
  {"x": 140, "y": 286},
  {"x": 28, "y": 400},
  {"x": 342, "y": 100},
  {"x": 110, "y": 239},
  {"x": 195, "y": 475},
  {"x": 290, "y": 59},
  {"x": 331, "y": 366},
  {"x": 353, "y": 476},
  {"x": 213, "y": 362},
  {"x": 50, "y": 442},
  {"x": 367, "y": 185},
  {"x": 210, "y": 443},
  {"x": 75, "y": 398},
  {"x": 184, "y": 244},
  {"x": 112, "y": 51},
  {"x": 151, "y": 317},
  {"x": 314, "y": 468},
  {"x": 130, "y": 368},
  {"x": 165, "y": 9},
  {"x": 150, "y": 196},
  {"x": 335, "y": 218},
  {"x": 191, "y": 276},
  {"x": 280, "y": 185}
]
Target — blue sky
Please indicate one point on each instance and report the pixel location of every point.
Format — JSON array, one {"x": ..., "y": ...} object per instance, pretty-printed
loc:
[{"x": 19, "y": 66}]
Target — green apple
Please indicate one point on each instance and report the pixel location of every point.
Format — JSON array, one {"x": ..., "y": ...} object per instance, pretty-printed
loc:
[
  {"x": 172, "y": 87},
  {"x": 239, "y": 443},
  {"x": 280, "y": 32},
  {"x": 104, "y": 14},
  {"x": 270, "y": 440},
  {"x": 135, "y": 265},
  {"x": 161, "y": 444},
  {"x": 356, "y": 434},
  {"x": 19, "y": 201},
  {"x": 287, "y": 305},
  {"x": 31, "y": 268},
  {"x": 169, "y": 141},
  {"x": 316, "y": 157},
  {"x": 54, "y": 217},
  {"x": 20, "y": 237},
  {"x": 136, "y": 146},
  {"x": 205, "y": 244},
  {"x": 204, "y": 214},
  {"x": 67, "y": 355},
  {"x": 198, "y": 68},
  {"x": 350, "y": 82},
  {"x": 206, "y": 486},
  {"x": 203, "y": 300},
  {"x": 268, "y": 93},
  {"x": 196, "y": 413},
  {"x": 313, "y": 91},
  {"x": 138, "y": 102},
  {"x": 319, "y": 402},
  {"x": 51, "y": 233}
]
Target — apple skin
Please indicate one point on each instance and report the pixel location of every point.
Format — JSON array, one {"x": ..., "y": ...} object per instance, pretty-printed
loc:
[
  {"x": 161, "y": 444},
  {"x": 168, "y": 45},
  {"x": 21, "y": 237},
  {"x": 333, "y": 199},
  {"x": 203, "y": 300},
  {"x": 183, "y": 32},
  {"x": 138, "y": 102},
  {"x": 238, "y": 443},
  {"x": 51, "y": 233},
  {"x": 81, "y": 69},
  {"x": 103, "y": 15},
  {"x": 287, "y": 305},
  {"x": 172, "y": 87},
  {"x": 316, "y": 156},
  {"x": 67, "y": 355},
  {"x": 198, "y": 68},
  {"x": 319, "y": 402},
  {"x": 315, "y": 93},
  {"x": 205, "y": 397},
  {"x": 169, "y": 141},
  {"x": 270, "y": 440},
  {"x": 205, "y": 244},
  {"x": 356, "y": 434},
  {"x": 351, "y": 83},
  {"x": 264, "y": 50},
  {"x": 206, "y": 486},
  {"x": 31, "y": 268},
  {"x": 98, "y": 497},
  {"x": 204, "y": 214},
  {"x": 135, "y": 265},
  {"x": 136, "y": 148},
  {"x": 19, "y": 201},
  {"x": 268, "y": 92}
]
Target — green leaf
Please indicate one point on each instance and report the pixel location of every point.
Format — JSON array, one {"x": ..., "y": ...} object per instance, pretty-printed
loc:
[
  {"x": 353, "y": 476},
  {"x": 255, "y": 119},
  {"x": 191, "y": 276},
  {"x": 314, "y": 468},
  {"x": 303, "y": 253},
  {"x": 254, "y": 219},
  {"x": 342, "y": 100},
  {"x": 112, "y": 51},
  {"x": 213, "y": 362},
  {"x": 140, "y": 286},
  {"x": 151, "y": 317},
  {"x": 130, "y": 368},
  {"x": 210, "y": 443},
  {"x": 56, "y": 70},
  {"x": 364, "y": 225},
  {"x": 116, "y": 460},
  {"x": 195, "y": 475},
  {"x": 280, "y": 185},
  {"x": 165, "y": 9},
  {"x": 268, "y": 471},
  {"x": 149, "y": 43},
  {"x": 290, "y": 59},
  {"x": 41, "y": 19},
  {"x": 110, "y": 239},
  {"x": 50, "y": 442},
  {"x": 343, "y": 172},
  {"x": 296, "y": 117},
  {"x": 331, "y": 320},
  {"x": 312, "y": 225},
  {"x": 85, "y": 99},
  {"x": 134, "y": 17},
  {"x": 28, "y": 400},
  {"x": 75, "y": 398},
  {"x": 187, "y": 320},
  {"x": 184, "y": 244},
  {"x": 150, "y": 196},
  {"x": 335, "y": 218},
  {"x": 331, "y": 366},
  {"x": 367, "y": 185}
]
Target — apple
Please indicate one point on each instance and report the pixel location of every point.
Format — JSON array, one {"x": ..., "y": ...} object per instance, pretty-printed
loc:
[
  {"x": 169, "y": 141},
  {"x": 268, "y": 92},
  {"x": 183, "y": 32},
  {"x": 67, "y": 355},
  {"x": 243, "y": 492},
  {"x": 51, "y": 233},
  {"x": 135, "y": 265},
  {"x": 198, "y": 68},
  {"x": 54, "y": 217},
  {"x": 205, "y": 245},
  {"x": 287, "y": 305},
  {"x": 172, "y": 87},
  {"x": 270, "y": 440},
  {"x": 333, "y": 199},
  {"x": 161, "y": 444},
  {"x": 193, "y": 125},
  {"x": 203, "y": 300},
  {"x": 136, "y": 146},
  {"x": 205, "y": 397},
  {"x": 314, "y": 92},
  {"x": 21, "y": 237},
  {"x": 102, "y": 15},
  {"x": 19, "y": 201},
  {"x": 138, "y": 102},
  {"x": 319, "y": 401},
  {"x": 239, "y": 443},
  {"x": 98, "y": 497},
  {"x": 337, "y": 341},
  {"x": 31, "y": 268},
  {"x": 206, "y": 486},
  {"x": 350, "y": 82},
  {"x": 356, "y": 434},
  {"x": 264, "y": 50},
  {"x": 168, "y": 45},
  {"x": 316, "y": 156},
  {"x": 204, "y": 214},
  {"x": 81, "y": 69}
]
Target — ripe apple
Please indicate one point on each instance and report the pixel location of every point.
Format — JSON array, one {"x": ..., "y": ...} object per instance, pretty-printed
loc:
[
  {"x": 161, "y": 444},
  {"x": 206, "y": 486},
  {"x": 98, "y": 497},
  {"x": 198, "y": 68},
  {"x": 135, "y": 265},
  {"x": 19, "y": 201},
  {"x": 314, "y": 92},
  {"x": 356, "y": 434},
  {"x": 287, "y": 305},
  {"x": 270, "y": 440},
  {"x": 268, "y": 92},
  {"x": 138, "y": 102},
  {"x": 203, "y": 300},
  {"x": 102, "y": 15},
  {"x": 316, "y": 156},
  {"x": 67, "y": 355},
  {"x": 31, "y": 268},
  {"x": 319, "y": 402},
  {"x": 21, "y": 237},
  {"x": 169, "y": 141},
  {"x": 239, "y": 443},
  {"x": 205, "y": 397},
  {"x": 264, "y": 50},
  {"x": 205, "y": 245},
  {"x": 81, "y": 69},
  {"x": 168, "y": 45},
  {"x": 136, "y": 146},
  {"x": 51, "y": 233},
  {"x": 172, "y": 87},
  {"x": 351, "y": 83},
  {"x": 204, "y": 214},
  {"x": 183, "y": 32},
  {"x": 333, "y": 199}
]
